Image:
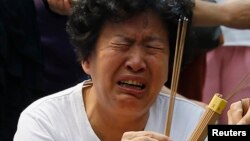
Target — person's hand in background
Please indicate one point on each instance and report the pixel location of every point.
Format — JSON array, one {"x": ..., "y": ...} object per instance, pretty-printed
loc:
[
  {"x": 239, "y": 112},
  {"x": 62, "y": 7}
]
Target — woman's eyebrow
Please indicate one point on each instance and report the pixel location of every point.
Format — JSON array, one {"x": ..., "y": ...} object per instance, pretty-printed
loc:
[
  {"x": 125, "y": 38},
  {"x": 155, "y": 38}
]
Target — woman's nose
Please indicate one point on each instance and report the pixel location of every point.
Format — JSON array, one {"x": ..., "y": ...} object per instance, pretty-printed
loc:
[{"x": 136, "y": 61}]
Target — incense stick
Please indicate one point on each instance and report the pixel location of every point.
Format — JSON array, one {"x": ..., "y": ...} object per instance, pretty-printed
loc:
[
  {"x": 241, "y": 85},
  {"x": 181, "y": 35}
]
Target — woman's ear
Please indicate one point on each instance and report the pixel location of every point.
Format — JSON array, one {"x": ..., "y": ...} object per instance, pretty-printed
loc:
[{"x": 86, "y": 66}]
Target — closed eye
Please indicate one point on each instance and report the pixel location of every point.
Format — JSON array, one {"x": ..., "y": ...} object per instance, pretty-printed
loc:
[
  {"x": 120, "y": 44},
  {"x": 120, "y": 41},
  {"x": 155, "y": 42},
  {"x": 155, "y": 47}
]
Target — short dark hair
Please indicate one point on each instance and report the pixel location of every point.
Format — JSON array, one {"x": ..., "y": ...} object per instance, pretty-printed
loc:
[{"x": 88, "y": 17}]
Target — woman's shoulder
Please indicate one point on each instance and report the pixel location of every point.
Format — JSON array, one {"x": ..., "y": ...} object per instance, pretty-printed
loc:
[
  {"x": 179, "y": 99},
  {"x": 52, "y": 116},
  {"x": 55, "y": 101}
]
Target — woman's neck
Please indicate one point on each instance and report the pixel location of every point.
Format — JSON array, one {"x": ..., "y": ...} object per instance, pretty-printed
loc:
[{"x": 108, "y": 125}]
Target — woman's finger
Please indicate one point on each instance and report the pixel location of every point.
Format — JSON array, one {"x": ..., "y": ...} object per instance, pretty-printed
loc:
[{"x": 235, "y": 113}]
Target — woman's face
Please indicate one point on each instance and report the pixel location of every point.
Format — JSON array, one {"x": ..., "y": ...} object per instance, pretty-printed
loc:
[{"x": 130, "y": 64}]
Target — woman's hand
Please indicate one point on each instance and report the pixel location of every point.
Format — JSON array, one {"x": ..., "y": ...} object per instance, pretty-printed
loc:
[
  {"x": 62, "y": 7},
  {"x": 239, "y": 112},
  {"x": 144, "y": 136}
]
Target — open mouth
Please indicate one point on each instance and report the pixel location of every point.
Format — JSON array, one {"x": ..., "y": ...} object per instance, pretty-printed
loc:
[{"x": 131, "y": 84}]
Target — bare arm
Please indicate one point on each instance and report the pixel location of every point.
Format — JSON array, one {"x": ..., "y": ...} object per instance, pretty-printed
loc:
[{"x": 231, "y": 13}]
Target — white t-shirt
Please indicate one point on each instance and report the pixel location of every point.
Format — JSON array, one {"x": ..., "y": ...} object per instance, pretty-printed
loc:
[{"x": 62, "y": 117}]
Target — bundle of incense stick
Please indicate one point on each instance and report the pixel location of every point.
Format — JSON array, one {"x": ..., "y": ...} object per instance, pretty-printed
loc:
[
  {"x": 210, "y": 116},
  {"x": 214, "y": 110},
  {"x": 181, "y": 35}
]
